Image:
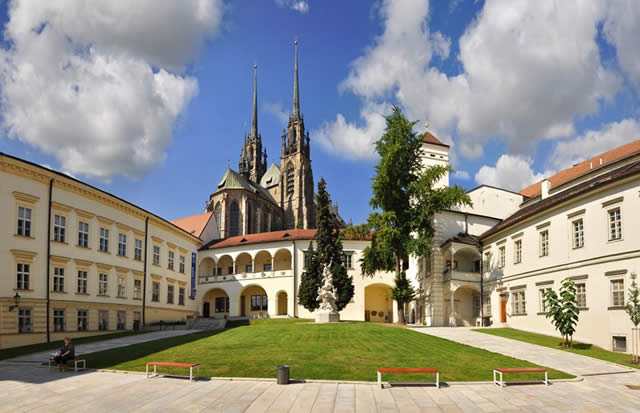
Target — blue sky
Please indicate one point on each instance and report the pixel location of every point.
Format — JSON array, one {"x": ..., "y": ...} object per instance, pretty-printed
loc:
[{"x": 160, "y": 103}]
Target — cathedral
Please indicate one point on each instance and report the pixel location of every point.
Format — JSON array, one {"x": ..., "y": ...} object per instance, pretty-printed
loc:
[{"x": 259, "y": 199}]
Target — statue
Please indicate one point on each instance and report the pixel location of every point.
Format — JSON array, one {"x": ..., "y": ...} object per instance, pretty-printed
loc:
[{"x": 327, "y": 313}]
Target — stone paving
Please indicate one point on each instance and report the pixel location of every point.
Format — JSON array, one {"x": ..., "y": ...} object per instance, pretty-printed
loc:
[
  {"x": 28, "y": 388},
  {"x": 544, "y": 356},
  {"x": 87, "y": 348}
]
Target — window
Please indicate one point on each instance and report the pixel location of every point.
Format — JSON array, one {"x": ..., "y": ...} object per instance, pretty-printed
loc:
[
  {"x": 487, "y": 261},
  {"x": 171, "y": 258},
  {"x": 121, "y": 322},
  {"x": 617, "y": 293},
  {"x": 58, "y": 279},
  {"x": 104, "y": 240},
  {"x": 103, "y": 320},
  {"x": 543, "y": 292},
  {"x": 290, "y": 180},
  {"x": 122, "y": 245},
  {"x": 250, "y": 219},
  {"x": 170, "y": 289},
  {"x": 222, "y": 304},
  {"x": 156, "y": 255},
  {"x": 218, "y": 216},
  {"x": 544, "y": 243},
  {"x": 181, "y": 265},
  {"x": 486, "y": 305},
  {"x": 518, "y": 303},
  {"x": 137, "y": 288},
  {"x": 137, "y": 252},
  {"x": 23, "y": 276},
  {"x": 258, "y": 303},
  {"x": 347, "y": 259},
  {"x": 83, "y": 234},
  {"x": 82, "y": 282},
  {"x": 615, "y": 224},
  {"x": 234, "y": 219},
  {"x": 181, "y": 296},
  {"x": 578, "y": 233},
  {"x": 248, "y": 268},
  {"x": 155, "y": 292},
  {"x": 24, "y": 320},
  {"x": 103, "y": 284},
  {"x": 517, "y": 252},
  {"x": 581, "y": 295},
  {"x": 620, "y": 343},
  {"x": 24, "y": 221},
  {"x": 122, "y": 286},
  {"x": 502, "y": 256},
  {"x": 59, "y": 228},
  {"x": 83, "y": 320},
  {"x": 267, "y": 267},
  {"x": 58, "y": 320},
  {"x": 476, "y": 306}
]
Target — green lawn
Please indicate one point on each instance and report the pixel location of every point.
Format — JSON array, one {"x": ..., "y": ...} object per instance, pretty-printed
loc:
[
  {"x": 36, "y": 348},
  {"x": 555, "y": 342},
  {"x": 345, "y": 351}
]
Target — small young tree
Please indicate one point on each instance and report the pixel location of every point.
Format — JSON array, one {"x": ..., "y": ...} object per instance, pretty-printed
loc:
[
  {"x": 563, "y": 310},
  {"x": 310, "y": 280},
  {"x": 402, "y": 292},
  {"x": 633, "y": 309}
]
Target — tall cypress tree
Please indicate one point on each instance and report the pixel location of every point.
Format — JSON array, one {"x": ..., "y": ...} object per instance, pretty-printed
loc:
[{"x": 310, "y": 280}]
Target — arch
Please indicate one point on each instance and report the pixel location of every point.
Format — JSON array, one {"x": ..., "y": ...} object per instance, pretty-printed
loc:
[
  {"x": 253, "y": 301},
  {"x": 234, "y": 219},
  {"x": 263, "y": 261},
  {"x": 215, "y": 303},
  {"x": 378, "y": 304},
  {"x": 282, "y": 260},
  {"x": 244, "y": 263},
  {"x": 281, "y": 302},
  {"x": 207, "y": 267},
  {"x": 464, "y": 298},
  {"x": 225, "y": 265}
]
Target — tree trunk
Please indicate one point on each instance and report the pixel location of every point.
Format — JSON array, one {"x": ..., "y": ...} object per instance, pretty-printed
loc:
[{"x": 400, "y": 313}]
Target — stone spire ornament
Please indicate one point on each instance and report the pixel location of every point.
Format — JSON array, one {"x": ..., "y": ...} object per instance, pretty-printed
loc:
[
  {"x": 327, "y": 313},
  {"x": 296, "y": 94},
  {"x": 254, "y": 119}
]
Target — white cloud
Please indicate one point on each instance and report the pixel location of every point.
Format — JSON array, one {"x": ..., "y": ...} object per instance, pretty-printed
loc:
[
  {"x": 464, "y": 175},
  {"x": 277, "y": 110},
  {"x": 594, "y": 142},
  {"x": 621, "y": 28},
  {"x": 301, "y": 6},
  {"x": 510, "y": 172},
  {"x": 96, "y": 84}
]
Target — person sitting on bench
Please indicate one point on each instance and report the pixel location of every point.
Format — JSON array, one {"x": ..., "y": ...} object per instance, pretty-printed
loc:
[{"x": 67, "y": 352}]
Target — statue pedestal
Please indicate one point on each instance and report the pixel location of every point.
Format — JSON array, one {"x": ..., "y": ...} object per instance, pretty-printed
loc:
[{"x": 323, "y": 316}]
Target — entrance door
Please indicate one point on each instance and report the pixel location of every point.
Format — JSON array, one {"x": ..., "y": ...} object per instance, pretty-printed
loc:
[
  {"x": 503, "y": 311},
  {"x": 205, "y": 310}
]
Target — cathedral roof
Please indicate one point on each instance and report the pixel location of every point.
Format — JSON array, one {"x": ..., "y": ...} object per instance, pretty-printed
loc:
[
  {"x": 233, "y": 180},
  {"x": 271, "y": 177},
  {"x": 193, "y": 224}
]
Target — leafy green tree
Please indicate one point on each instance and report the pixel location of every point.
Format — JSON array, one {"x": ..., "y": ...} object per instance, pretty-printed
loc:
[
  {"x": 633, "y": 309},
  {"x": 402, "y": 291},
  {"x": 405, "y": 200},
  {"x": 327, "y": 253},
  {"x": 299, "y": 224},
  {"x": 563, "y": 310}
]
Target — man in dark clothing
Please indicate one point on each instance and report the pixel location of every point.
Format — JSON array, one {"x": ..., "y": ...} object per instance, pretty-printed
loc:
[{"x": 67, "y": 352}]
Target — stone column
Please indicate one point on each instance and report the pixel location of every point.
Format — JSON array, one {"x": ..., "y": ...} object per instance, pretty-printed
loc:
[
  {"x": 234, "y": 265},
  {"x": 273, "y": 263}
]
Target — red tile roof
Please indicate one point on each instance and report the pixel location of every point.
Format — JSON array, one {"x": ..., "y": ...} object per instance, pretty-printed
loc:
[
  {"x": 429, "y": 138},
  {"x": 260, "y": 238},
  {"x": 584, "y": 167},
  {"x": 193, "y": 224}
]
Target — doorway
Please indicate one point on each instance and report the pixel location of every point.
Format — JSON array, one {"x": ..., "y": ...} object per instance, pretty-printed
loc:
[
  {"x": 205, "y": 310},
  {"x": 503, "y": 310}
]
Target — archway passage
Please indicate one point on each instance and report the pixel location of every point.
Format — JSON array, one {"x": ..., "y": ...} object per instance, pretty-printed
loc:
[
  {"x": 282, "y": 303},
  {"x": 253, "y": 302},
  {"x": 378, "y": 305},
  {"x": 466, "y": 306},
  {"x": 215, "y": 303}
]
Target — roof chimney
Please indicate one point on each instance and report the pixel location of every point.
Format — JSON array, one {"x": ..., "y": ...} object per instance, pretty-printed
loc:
[
  {"x": 545, "y": 186},
  {"x": 601, "y": 161}
]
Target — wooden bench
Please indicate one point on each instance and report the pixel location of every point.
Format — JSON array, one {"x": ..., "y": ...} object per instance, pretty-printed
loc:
[
  {"x": 75, "y": 363},
  {"x": 408, "y": 370},
  {"x": 155, "y": 365},
  {"x": 500, "y": 372}
]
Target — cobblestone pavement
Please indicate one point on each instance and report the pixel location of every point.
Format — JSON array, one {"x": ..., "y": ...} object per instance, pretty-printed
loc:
[
  {"x": 36, "y": 389},
  {"x": 544, "y": 356}
]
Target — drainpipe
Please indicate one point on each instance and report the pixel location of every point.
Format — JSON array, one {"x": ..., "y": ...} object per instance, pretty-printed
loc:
[
  {"x": 295, "y": 281},
  {"x": 49, "y": 261},
  {"x": 481, "y": 286},
  {"x": 144, "y": 275}
]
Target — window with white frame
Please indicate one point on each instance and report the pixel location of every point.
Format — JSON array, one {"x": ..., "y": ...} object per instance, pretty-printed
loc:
[
  {"x": 615, "y": 224},
  {"x": 487, "y": 261},
  {"x": 82, "y": 282},
  {"x": 23, "y": 276},
  {"x": 155, "y": 292},
  {"x": 617, "y": 293},
  {"x": 170, "y": 290},
  {"x": 581, "y": 294},
  {"x": 121, "y": 320},
  {"x": 122, "y": 286},
  {"x": 347, "y": 259},
  {"x": 170, "y": 260},
  {"x": 476, "y": 306},
  {"x": 543, "y": 304},
  {"x": 122, "y": 244},
  {"x": 137, "y": 252},
  {"x": 517, "y": 251},
  {"x": 137, "y": 288},
  {"x": 502, "y": 255},
  {"x": 24, "y": 221},
  {"x": 103, "y": 320},
  {"x": 83, "y": 234},
  {"x": 59, "y": 228},
  {"x": 156, "y": 255},
  {"x": 104, "y": 240},
  {"x": 518, "y": 302},
  {"x": 58, "y": 279},
  {"x": 544, "y": 243},
  {"x": 181, "y": 296},
  {"x": 181, "y": 265},
  {"x": 24, "y": 320},
  {"x": 83, "y": 320},
  {"x": 103, "y": 284},
  {"x": 578, "y": 233},
  {"x": 58, "y": 320}
]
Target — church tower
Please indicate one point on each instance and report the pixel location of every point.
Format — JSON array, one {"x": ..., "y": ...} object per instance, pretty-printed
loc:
[
  {"x": 253, "y": 161},
  {"x": 296, "y": 184}
]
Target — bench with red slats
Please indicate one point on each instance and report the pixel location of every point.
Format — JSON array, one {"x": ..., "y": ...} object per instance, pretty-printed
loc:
[
  {"x": 500, "y": 372},
  {"x": 409, "y": 370},
  {"x": 155, "y": 365}
]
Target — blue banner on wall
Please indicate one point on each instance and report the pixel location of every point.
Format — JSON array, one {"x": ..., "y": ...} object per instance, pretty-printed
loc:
[{"x": 193, "y": 275}]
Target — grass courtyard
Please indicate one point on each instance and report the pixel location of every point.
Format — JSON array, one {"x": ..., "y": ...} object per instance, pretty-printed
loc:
[
  {"x": 345, "y": 351},
  {"x": 555, "y": 342}
]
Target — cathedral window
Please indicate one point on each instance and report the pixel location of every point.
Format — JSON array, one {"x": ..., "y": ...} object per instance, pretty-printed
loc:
[
  {"x": 265, "y": 220},
  {"x": 290, "y": 180},
  {"x": 218, "y": 216},
  {"x": 234, "y": 219},
  {"x": 249, "y": 219}
]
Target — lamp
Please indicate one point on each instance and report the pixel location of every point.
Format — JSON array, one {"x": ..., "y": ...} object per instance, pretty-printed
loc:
[{"x": 16, "y": 299}]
